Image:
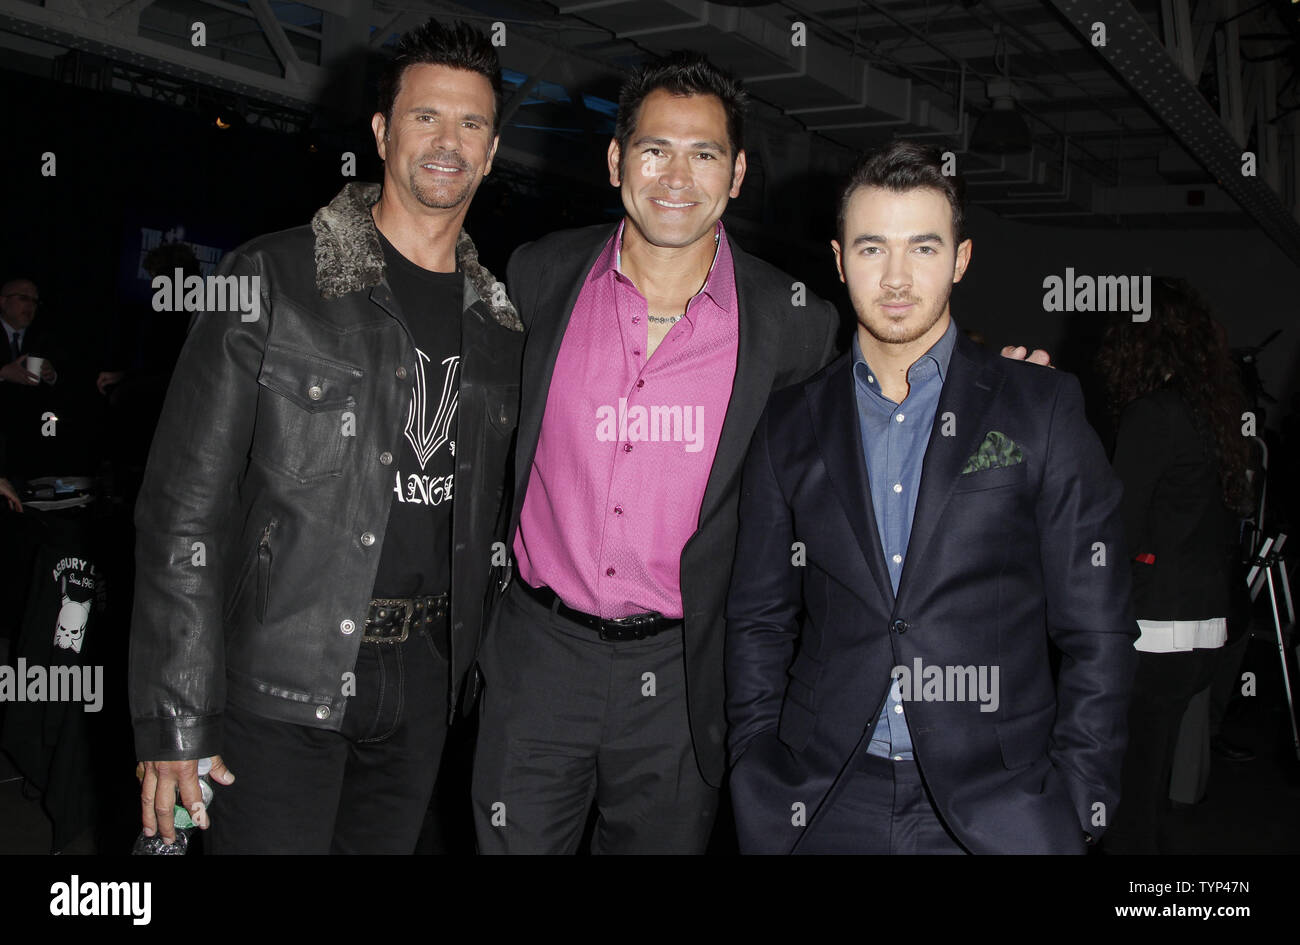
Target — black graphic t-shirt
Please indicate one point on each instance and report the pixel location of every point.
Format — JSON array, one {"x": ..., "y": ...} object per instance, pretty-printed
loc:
[{"x": 416, "y": 557}]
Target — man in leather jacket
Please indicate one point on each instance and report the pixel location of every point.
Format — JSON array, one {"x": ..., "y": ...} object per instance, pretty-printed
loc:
[{"x": 308, "y": 595}]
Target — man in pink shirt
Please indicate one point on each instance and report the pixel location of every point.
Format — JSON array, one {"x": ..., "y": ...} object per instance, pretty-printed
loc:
[{"x": 653, "y": 345}]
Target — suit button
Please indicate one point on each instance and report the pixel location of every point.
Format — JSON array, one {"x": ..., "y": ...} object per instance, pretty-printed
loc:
[
  {"x": 368, "y": 539},
  {"x": 322, "y": 712},
  {"x": 386, "y": 458},
  {"x": 347, "y": 627},
  {"x": 401, "y": 373},
  {"x": 314, "y": 392},
  {"x": 899, "y": 626}
]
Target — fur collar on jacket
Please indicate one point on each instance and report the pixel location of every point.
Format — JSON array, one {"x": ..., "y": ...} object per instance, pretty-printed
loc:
[{"x": 349, "y": 257}]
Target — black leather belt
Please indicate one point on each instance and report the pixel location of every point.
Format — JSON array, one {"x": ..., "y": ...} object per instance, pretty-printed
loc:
[
  {"x": 390, "y": 618},
  {"x": 633, "y": 627}
]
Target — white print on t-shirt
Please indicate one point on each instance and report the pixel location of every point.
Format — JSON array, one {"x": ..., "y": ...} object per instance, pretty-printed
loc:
[{"x": 427, "y": 434}]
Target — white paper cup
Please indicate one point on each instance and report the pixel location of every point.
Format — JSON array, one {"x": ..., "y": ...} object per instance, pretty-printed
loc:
[{"x": 34, "y": 364}]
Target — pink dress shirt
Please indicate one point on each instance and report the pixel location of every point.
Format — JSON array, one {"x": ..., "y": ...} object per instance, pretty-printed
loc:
[{"x": 626, "y": 444}]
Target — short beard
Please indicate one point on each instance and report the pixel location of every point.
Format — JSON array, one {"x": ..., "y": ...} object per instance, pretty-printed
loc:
[
  {"x": 436, "y": 203},
  {"x": 891, "y": 337}
]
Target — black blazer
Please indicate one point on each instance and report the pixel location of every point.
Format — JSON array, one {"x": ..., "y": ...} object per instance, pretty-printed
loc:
[
  {"x": 1174, "y": 511},
  {"x": 779, "y": 343},
  {"x": 1000, "y": 560}
]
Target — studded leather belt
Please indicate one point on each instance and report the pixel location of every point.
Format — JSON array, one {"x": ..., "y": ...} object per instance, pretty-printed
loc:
[
  {"x": 391, "y": 619},
  {"x": 633, "y": 627}
]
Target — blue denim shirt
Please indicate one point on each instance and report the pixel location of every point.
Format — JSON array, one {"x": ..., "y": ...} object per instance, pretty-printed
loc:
[{"x": 894, "y": 439}]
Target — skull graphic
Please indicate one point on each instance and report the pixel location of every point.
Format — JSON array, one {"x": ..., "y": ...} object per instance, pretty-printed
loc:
[{"x": 73, "y": 615}]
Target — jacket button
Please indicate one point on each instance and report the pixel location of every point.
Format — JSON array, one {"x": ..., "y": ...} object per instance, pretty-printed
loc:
[
  {"x": 322, "y": 712},
  {"x": 368, "y": 539},
  {"x": 314, "y": 392},
  {"x": 386, "y": 458},
  {"x": 401, "y": 373},
  {"x": 899, "y": 626},
  {"x": 347, "y": 626}
]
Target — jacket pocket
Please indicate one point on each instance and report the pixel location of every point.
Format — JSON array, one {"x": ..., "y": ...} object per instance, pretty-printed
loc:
[
  {"x": 994, "y": 478},
  {"x": 306, "y": 415},
  {"x": 1024, "y": 740}
]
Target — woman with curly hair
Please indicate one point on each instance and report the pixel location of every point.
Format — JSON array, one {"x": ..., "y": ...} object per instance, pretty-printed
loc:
[{"x": 1182, "y": 458}]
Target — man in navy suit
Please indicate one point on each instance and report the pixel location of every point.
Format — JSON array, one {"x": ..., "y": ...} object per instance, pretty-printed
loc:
[{"x": 917, "y": 521}]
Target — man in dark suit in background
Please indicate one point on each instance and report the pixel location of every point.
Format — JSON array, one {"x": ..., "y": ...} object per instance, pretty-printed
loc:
[
  {"x": 917, "y": 521},
  {"x": 24, "y": 396}
]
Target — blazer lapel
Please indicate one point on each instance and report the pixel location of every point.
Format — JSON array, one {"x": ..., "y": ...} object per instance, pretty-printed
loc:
[
  {"x": 756, "y": 360},
  {"x": 550, "y": 321},
  {"x": 974, "y": 379},
  {"x": 834, "y": 410}
]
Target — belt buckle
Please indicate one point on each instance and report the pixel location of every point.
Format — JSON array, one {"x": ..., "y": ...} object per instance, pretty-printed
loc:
[
  {"x": 407, "y": 613},
  {"x": 631, "y": 627}
]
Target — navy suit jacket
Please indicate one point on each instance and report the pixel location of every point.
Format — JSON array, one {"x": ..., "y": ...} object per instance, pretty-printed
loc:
[{"x": 1000, "y": 560}]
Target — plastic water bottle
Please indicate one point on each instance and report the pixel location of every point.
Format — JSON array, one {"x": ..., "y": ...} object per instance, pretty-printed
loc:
[{"x": 155, "y": 845}]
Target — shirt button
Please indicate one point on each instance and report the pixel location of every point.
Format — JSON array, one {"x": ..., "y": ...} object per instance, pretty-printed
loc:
[
  {"x": 898, "y": 487},
  {"x": 618, "y": 510},
  {"x": 347, "y": 627},
  {"x": 898, "y": 757},
  {"x": 609, "y": 572},
  {"x": 898, "y": 710},
  {"x": 627, "y": 447},
  {"x": 640, "y": 383},
  {"x": 636, "y": 319},
  {"x": 870, "y": 379},
  {"x": 314, "y": 392},
  {"x": 322, "y": 712},
  {"x": 898, "y": 559},
  {"x": 636, "y": 351},
  {"x": 368, "y": 539},
  {"x": 899, "y": 418},
  {"x": 386, "y": 458},
  {"x": 401, "y": 373}
]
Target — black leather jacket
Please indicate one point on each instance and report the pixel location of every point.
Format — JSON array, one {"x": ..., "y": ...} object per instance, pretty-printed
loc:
[{"x": 266, "y": 497}]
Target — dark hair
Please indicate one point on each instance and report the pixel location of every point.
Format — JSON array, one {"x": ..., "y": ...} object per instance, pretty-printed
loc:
[
  {"x": 901, "y": 166},
  {"x": 460, "y": 47},
  {"x": 682, "y": 73},
  {"x": 1182, "y": 348}
]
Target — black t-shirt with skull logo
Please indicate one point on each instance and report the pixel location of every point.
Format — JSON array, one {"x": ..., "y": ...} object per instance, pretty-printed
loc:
[{"x": 416, "y": 557}]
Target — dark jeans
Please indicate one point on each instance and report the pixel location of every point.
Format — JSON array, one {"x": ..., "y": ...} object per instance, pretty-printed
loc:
[
  {"x": 362, "y": 790},
  {"x": 884, "y": 808},
  {"x": 568, "y": 720}
]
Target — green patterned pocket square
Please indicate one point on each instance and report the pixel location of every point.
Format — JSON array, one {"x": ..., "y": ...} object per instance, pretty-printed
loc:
[{"x": 998, "y": 449}]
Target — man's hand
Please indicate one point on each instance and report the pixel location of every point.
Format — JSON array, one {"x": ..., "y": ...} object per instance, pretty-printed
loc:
[
  {"x": 10, "y": 496},
  {"x": 48, "y": 374},
  {"x": 106, "y": 378},
  {"x": 1018, "y": 352},
  {"x": 15, "y": 372},
  {"x": 158, "y": 783}
]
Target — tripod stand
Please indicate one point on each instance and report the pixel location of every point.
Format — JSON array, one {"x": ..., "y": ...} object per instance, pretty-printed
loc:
[{"x": 1266, "y": 560}]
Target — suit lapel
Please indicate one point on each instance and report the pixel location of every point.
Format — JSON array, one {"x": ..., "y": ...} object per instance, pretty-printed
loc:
[
  {"x": 833, "y": 406},
  {"x": 757, "y": 355},
  {"x": 974, "y": 379},
  {"x": 555, "y": 304}
]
